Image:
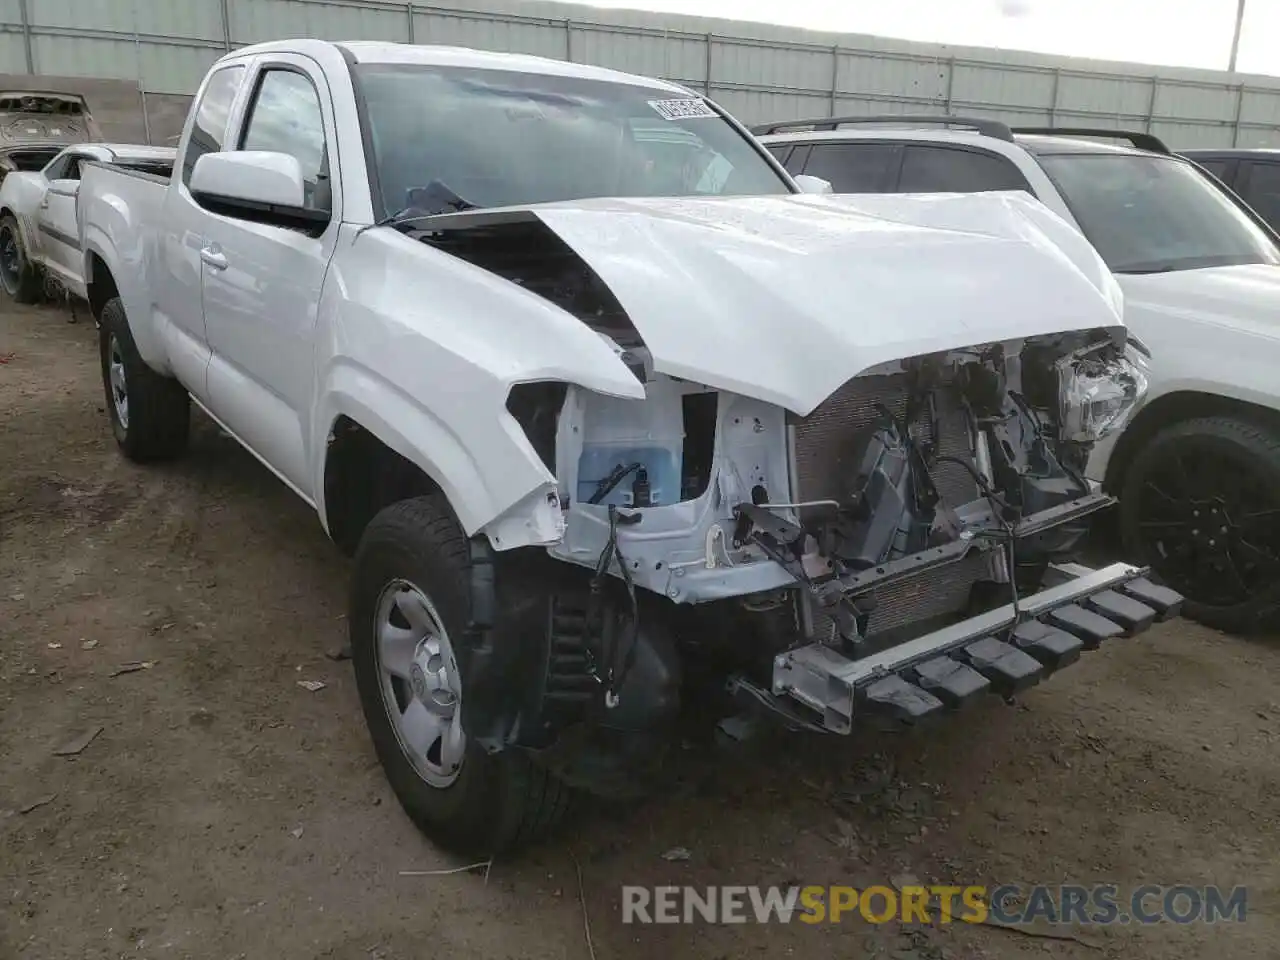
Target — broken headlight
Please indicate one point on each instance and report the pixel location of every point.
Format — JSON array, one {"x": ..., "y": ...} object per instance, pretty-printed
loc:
[{"x": 1098, "y": 390}]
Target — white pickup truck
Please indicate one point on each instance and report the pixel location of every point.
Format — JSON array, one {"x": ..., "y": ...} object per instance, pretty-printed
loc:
[
  {"x": 613, "y": 419},
  {"x": 39, "y": 236}
]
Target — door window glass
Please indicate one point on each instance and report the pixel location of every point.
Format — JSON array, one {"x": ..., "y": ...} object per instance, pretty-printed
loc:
[
  {"x": 854, "y": 167},
  {"x": 210, "y": 126},
  {"x": 1264, "y": 191},
  {"x": 927, "y": 169},
  {"x": 286, "y": 118},
  {"x": 1217, "y": 167}
]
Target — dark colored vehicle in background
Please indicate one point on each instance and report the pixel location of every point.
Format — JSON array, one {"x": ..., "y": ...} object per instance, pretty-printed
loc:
[
  {"x": 1253, "y": 174},
  {"x": 35, "y": 125}
]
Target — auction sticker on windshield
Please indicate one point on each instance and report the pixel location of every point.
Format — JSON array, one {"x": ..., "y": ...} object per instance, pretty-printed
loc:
[{"x": 684, "y": 109}]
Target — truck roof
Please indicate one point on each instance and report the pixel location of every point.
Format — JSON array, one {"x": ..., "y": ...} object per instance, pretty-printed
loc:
[{"x": 374, "y": 51}]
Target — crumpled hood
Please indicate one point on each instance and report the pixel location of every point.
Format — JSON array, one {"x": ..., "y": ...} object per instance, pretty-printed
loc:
[
  {"x": 785, "y": 298},
  {"x": 1244, "y": 297}
]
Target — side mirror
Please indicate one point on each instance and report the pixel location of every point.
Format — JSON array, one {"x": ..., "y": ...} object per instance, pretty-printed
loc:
[
  {"x": 64, "y": 187},
  {"x": 809, "y": 184},
  {"x": 255, "y": 185}
]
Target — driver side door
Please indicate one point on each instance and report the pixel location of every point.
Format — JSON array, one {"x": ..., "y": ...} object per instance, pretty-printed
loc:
[
  {"x": 56, "y": 222},
  {"x": 261, "y": 281}
]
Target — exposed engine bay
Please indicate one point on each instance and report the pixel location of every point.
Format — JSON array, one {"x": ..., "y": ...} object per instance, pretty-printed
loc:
[{"x": 793, "y": 551}]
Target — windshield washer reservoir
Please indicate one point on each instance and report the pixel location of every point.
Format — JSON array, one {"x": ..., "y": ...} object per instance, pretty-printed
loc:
[{"x": 633, "y": 444}]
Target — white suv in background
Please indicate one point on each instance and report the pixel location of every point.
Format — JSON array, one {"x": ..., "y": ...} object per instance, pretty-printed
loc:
[{"x": 1198, "y": 468}]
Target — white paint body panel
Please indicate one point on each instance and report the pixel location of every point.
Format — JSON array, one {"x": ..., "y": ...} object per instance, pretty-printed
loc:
[
  {"x": 781, "y": 300},
  {"x": 21, "y": 195},
  {"x": 59, "y": 241}
]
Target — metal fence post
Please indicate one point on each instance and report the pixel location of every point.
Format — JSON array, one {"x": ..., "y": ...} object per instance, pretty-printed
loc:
[
  {"x": 835, "y": 78},
  {"x": 568, "y": 40},
  {"x": 226, "y": 25},
  {"x": 1151, "y": 104},
  {"x": 706, "y": 82},
  {"x": 1053, "y": 97},
  {"x": 26, "y": 36},
  {"x": 1235, "y": 127},
  {"x": 408, "y": 9},
  {"x": 951, "y": 81}
]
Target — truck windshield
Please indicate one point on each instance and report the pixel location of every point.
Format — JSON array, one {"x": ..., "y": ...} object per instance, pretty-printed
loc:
[
  {"x": 448, "y": 139},
  {"x": 1151, "y": 214}
]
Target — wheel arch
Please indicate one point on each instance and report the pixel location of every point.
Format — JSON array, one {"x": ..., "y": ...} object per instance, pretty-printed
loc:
[
  {"x": 1176, "y": 407},
  {"x": 359, "y": 411},
  {"x": 362, "y": 474},
  {"x": 24, "y": 228},
  {"x": 100, "y": 283}
]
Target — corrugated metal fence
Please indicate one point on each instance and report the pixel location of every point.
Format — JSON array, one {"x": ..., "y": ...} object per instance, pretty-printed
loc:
[{"x": 758, "y": 72}]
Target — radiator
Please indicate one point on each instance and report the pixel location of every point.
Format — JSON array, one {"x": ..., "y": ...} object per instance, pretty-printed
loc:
[{"x": 827, "y": 453}]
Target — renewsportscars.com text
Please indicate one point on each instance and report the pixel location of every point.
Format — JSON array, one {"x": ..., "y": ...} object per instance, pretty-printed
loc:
[{"x": 1009, "y": 904}]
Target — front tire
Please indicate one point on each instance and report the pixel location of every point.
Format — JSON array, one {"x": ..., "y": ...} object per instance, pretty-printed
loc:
[
  {"x": 18, "y": 275},
  {"x": 150, "y": 413},
  {"x": 409, "y": 609},
  {"x": 1200, "y": 504}
]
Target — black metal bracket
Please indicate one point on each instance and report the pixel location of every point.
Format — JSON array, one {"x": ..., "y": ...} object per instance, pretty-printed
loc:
[
  {"x": 1063, "y": 513},
  {"x": 831, "y": 592}
]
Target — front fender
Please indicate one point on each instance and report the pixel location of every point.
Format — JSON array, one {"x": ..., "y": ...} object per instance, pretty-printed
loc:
[
  {"x": 1173, "y": 390},
  {"x": 422, "y": 349},
  {"x": 1192, "y": 356},
  {"x": 20, "y": 195},
  {"x": 493, "y": 469}
]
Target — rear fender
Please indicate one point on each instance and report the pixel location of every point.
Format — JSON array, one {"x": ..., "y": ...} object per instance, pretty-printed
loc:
[{"x": 127, "y": 272}]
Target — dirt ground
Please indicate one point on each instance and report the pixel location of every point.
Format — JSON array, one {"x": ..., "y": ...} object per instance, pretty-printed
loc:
[{"x": 225, "y": 811}]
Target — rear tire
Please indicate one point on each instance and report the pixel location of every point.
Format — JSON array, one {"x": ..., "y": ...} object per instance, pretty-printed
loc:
[
  {"x": 487, "y": 803},
  {"x": 150, "y": 413},
  {"x": 18, "y": 275},
  {"x": 1200, "y": 503}
]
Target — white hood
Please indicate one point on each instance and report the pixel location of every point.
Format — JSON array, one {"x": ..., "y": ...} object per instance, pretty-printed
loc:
[{"x": 786, "y": 298}]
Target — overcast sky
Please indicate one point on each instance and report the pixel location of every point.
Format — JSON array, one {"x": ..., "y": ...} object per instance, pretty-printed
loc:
[{"x": 1189, "y": 33}]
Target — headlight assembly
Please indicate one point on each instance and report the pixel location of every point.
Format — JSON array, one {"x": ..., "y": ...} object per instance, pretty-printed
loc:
[{"x": 1098, "y": 390}]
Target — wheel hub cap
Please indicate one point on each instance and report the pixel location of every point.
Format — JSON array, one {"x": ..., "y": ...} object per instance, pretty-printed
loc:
[
  {"x": 119, "y": 387},
  {"x": 421, "y": 684}
]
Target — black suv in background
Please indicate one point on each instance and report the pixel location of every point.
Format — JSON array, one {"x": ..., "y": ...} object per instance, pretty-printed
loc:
[{"x": 1254, "y": 175}]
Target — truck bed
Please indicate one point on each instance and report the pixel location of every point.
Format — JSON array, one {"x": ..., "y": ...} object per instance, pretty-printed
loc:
[
  {"x": 155, "y": 171},
  {"x": 121, "y": 207}
]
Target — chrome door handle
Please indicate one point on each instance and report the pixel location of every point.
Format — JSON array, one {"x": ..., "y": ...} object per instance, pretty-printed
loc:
[{"x": 214, "y": 258}]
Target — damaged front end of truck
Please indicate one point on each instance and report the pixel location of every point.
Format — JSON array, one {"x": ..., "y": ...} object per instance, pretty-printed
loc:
[{"x": 853, "y": 489}]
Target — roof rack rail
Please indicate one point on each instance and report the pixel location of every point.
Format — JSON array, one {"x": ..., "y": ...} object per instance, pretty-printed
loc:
[
  {"x": 1143, "y": 141},
  {"x": 989, "y": 128}
]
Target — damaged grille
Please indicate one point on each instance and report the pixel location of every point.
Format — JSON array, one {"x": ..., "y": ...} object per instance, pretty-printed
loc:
[{"x": 828, "y": 447}]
